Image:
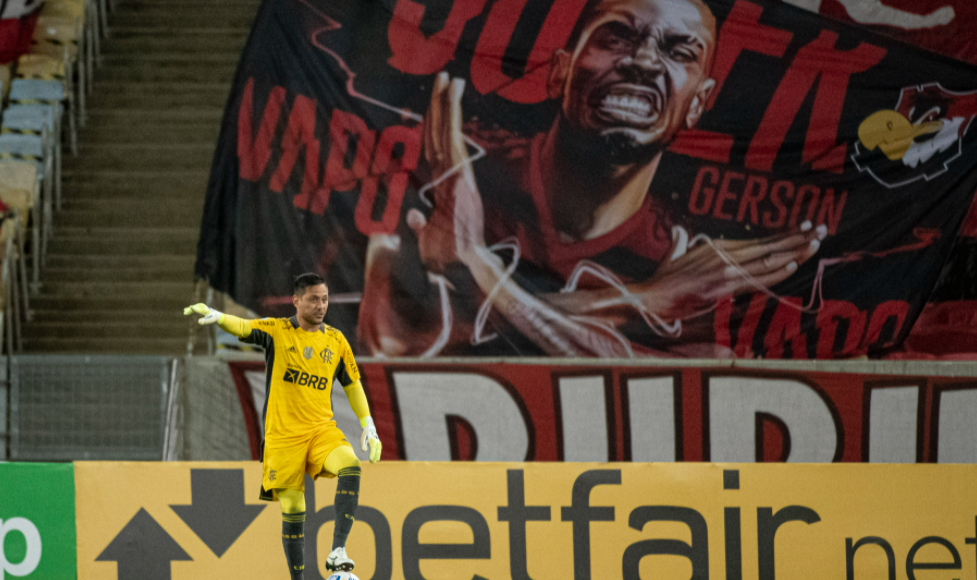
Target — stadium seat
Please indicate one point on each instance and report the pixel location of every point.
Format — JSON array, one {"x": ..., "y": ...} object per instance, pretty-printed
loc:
[
  {"x": 63, "y": 36},
  {"x": 40, "y": 66},
  {"x": 10, "y": 292},
  {"x": 88, "y": 10},
  {"x": 39, "y": 122},
  {"x": 25, "y": 91},
  {"x": 17, "y": 147},
  {"x": 19, "y": 191},
  {"x": 42, "y": 121}
]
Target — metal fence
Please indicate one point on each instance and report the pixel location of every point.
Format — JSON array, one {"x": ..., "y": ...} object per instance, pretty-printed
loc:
[
  {"x": 210, "y": 424},
  {"x": 4, "y": 410},
  {"x": 78, "y": 407}
]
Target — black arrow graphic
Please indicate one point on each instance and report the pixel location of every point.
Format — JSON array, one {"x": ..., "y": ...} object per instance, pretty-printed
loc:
[
  {"x": 143, "y": 550},
  {"x": 218, "y": 514}
]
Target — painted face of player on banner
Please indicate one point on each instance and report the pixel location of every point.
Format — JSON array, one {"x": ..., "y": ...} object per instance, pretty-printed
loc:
[
  {"x": 311, "y": 306},
  {"x": 638, "y": 73}
]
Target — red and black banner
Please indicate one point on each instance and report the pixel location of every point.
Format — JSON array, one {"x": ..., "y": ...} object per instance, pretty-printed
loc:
[
  {"x": 939, "y": 25},
  {"x": 558, "y": 412},
  {"x": 618, "y": 178}
]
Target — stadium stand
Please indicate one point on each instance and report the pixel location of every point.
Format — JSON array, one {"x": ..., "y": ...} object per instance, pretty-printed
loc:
[
  {"x": 108, "y": 232},
  {"x": 35, "y": 90},
  {"x": 124, "y": 239}
]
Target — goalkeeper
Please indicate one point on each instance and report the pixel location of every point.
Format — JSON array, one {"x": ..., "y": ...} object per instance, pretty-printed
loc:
[{"x": 303, "y": 356}]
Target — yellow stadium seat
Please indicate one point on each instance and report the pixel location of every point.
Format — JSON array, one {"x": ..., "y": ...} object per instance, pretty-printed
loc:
[
  {"x": 41, "y": 67},
  {"x": 60, "y": 36}
]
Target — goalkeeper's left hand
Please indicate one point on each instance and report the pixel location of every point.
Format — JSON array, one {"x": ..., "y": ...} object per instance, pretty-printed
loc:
[{"x": 370, "y": 437}]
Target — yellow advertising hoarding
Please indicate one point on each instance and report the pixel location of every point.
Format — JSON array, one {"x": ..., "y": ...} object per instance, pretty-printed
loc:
[{"x": 540, "y": 520}]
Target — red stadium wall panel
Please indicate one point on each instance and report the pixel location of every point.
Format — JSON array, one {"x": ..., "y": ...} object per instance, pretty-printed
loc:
[
  {"x": 421, "y": 520},
  {"x": 503, "y": 411}
]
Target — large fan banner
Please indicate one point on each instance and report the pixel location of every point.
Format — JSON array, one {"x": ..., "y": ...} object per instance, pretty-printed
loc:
[{"x": 574, "y": 178}]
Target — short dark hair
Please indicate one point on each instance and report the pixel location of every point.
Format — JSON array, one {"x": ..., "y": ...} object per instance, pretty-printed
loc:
[{"x": 303, "y": 281}]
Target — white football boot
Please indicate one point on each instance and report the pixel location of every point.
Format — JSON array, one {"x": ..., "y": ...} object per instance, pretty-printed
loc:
[{"x": 338, "y": 561}]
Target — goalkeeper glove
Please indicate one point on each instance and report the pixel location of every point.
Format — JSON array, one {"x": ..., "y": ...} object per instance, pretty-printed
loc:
[
  {"x": 210, "y": 315},
  {"x": 370, "y": 437}
]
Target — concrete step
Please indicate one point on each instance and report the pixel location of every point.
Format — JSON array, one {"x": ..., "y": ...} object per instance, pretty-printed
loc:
[
  {"x": 185, "y": 5},
  {"x": 188, "y": 8},
  {"x": 173, "y": 59},
  {"x": 146, "y": 292},
  {"x": 137, "y": 72},
  {"x": 86, "y": 183},
  {"x": 152, "y": 218},
  {"x": 160, "y": 15},
  {"x": 145, "y": 39},
  {"x": 127, "y": 329},
  {"x": 122, "y": 212},
  {"x": 115, "y": 89},
  {"x": 144, "y": 262},
  {"x": 127, "y": 187},
  {"x": 149, "y": 95},
  {"x": 176, "y": 302},
  {"x": 119, "y": 275},
  {"x": 129, "y": 345},
  {"x": 143, "y": 156},
  {"x": 151, "y": 118},
  {"x": 119, "y": 130},
  {"x": 124, "y": 241},
  {"x": 122, "y": 32},
  {"x": 114, "y": 316}
]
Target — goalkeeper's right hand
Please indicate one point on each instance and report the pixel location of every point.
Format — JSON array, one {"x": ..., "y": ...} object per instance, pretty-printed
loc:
[{"x": 210, "y": 315}]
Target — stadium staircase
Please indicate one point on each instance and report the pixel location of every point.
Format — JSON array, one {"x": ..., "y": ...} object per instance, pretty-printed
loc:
[{"x": 119, "y": 267}]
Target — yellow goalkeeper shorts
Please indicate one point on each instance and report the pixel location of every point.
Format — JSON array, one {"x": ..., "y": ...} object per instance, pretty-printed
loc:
[{"x": 285, "y": 466}]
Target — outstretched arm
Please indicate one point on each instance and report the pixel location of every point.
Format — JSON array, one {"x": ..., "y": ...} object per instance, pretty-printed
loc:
[{"x": 228, "y": 323}]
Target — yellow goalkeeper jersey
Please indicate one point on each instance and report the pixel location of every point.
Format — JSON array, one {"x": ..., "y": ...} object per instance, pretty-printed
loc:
[{"x": 300, "y": 368}]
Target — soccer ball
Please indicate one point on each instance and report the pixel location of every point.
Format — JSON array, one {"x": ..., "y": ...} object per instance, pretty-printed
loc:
[{"x": 342, "y": 576}]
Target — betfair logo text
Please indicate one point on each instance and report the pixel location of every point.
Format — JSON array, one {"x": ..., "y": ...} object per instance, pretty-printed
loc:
[
  {"x": 305, "y": 379},
  {"x": 29, "y": 535}
]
